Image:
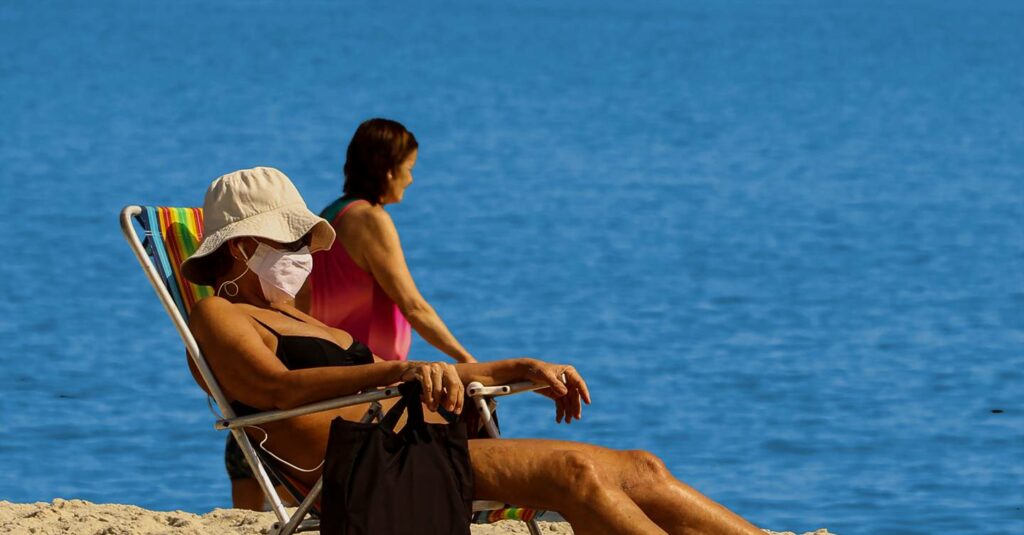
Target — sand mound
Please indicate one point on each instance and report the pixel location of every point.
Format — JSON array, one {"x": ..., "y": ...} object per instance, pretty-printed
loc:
[{"x": 78, "y": 517}]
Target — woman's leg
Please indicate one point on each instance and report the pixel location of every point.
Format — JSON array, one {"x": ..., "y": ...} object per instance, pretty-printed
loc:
[
  {"x": 672, "y": 504},
  {"x": 596, "y": 488},
  {"x": 245, "y": 490},
  {"x": 536, "y": 475},
  {"x": 247, "y": 494}
]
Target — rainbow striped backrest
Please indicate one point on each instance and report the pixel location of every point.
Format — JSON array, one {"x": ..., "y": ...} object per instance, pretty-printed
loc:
[{"x": 172, "y": 234}]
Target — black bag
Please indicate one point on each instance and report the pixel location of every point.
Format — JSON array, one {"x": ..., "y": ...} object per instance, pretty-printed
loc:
[{"x": 416, "y": 481}]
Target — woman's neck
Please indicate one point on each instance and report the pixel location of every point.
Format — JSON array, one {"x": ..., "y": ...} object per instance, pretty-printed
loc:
[{"x": 241, "y": 288}]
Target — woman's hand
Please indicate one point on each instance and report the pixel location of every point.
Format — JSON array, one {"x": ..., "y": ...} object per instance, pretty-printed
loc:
[
  {"x": 565, "y": 386},
  {"x": 440, "y": 382}
]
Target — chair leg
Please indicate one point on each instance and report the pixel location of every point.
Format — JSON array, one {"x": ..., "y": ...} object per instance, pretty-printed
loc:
[
  {"x": 261, "y": 474},
  {"x": 485, "y": 416},
  {"x": 303, "y": 509},
  {"x": 304, "y": 526}
]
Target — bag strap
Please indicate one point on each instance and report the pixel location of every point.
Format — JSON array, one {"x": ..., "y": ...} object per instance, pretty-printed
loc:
[{"x": 410, "y": 401}]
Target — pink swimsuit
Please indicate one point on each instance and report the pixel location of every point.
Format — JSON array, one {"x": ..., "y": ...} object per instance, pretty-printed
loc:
[{"x": 348, "y": 298}]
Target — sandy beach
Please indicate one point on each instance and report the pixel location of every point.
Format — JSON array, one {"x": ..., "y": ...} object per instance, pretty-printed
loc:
[{"x": 85, "y": 518}]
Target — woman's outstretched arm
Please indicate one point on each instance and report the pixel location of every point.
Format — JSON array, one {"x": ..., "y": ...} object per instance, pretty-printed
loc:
[
  {"x": 565, "y": 385},
  {"x": 250, "y": 373},
  {"x": 372, "y": 241}
]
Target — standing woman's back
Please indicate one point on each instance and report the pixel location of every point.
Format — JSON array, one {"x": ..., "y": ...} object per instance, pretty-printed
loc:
[{"x": 344, "y": 294}]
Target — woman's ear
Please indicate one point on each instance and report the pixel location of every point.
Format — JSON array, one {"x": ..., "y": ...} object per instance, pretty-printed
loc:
[{"x": 235, "y": 249}]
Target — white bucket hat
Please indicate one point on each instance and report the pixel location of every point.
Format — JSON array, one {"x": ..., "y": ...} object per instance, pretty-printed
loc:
[{"x": 259, "y": 202}]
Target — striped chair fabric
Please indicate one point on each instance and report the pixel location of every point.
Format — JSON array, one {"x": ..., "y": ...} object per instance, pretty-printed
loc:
[
  {"x": 506, "y": 513},
  {"x": 172, "y": 234}
]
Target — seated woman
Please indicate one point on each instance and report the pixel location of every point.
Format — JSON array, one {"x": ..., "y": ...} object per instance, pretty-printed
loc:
[{"x": 269, "y": 355}]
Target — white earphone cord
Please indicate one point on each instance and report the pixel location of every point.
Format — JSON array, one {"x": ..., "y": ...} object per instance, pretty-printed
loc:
[{"x": 266, "y": 436}]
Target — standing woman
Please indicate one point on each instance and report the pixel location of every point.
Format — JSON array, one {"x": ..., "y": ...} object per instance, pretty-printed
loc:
[{"x": 363, "y": 285}]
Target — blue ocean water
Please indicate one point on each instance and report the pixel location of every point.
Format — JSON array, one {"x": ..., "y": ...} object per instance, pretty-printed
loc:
[{"x": 784, "y": 241}]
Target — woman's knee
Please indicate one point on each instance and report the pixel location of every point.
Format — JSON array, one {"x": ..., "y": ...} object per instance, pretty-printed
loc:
[
  {"x": 576, "y": 474},
  {"x": 643, "y": 468}
]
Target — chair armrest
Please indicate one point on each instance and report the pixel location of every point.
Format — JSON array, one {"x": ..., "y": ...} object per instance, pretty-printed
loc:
[
  {"x": 473, "y": 390},
  {"x": 320, "y": 406}
]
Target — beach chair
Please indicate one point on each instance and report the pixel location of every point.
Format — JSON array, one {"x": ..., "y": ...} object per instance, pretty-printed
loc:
[{"x": 167, "y": 237}]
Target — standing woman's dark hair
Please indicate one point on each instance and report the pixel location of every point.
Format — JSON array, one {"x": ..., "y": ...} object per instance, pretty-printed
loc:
[{"x": 378, "y": 146}]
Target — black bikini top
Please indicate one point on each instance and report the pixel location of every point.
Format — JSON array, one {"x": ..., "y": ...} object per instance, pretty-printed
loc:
[
  {"x": 301, "y": 352},
  {"x": 298, "y": 352}
]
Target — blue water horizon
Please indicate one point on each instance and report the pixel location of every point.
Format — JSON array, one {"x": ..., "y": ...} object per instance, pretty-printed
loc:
[{"x": 783, "y": 241}]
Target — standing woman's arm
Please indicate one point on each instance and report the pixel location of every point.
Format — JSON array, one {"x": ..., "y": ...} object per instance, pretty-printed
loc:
[{"x": 371, "y": 239}]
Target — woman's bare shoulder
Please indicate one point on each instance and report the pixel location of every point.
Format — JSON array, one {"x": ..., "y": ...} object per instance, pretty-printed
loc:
[
  {"x": 365, "y": 214},
  {"x": 208, "y": 305},
  {"x": 366, "y": 225},
  {"x": 211, "y": 310},
  {"x": 215, "y": 320}
]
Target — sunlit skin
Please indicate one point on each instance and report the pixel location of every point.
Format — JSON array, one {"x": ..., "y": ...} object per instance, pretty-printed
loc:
[
  {"x": 598, "y": 490},
  {"x": 399, "y": 179}
]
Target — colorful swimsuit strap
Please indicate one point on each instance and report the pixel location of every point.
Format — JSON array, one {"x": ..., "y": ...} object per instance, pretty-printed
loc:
[
  {"x": 271, "y": 329},
  {"x": 338, "y": 207}
]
